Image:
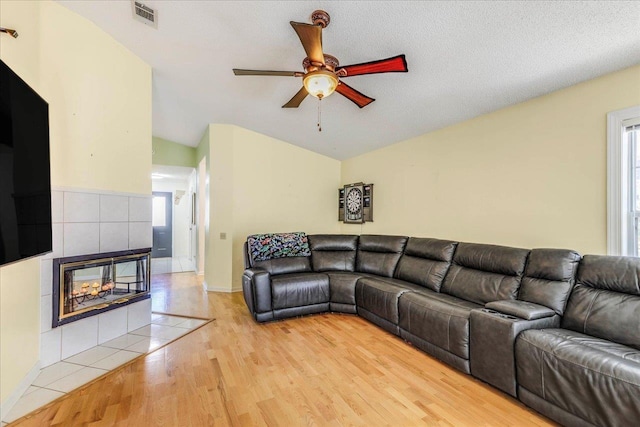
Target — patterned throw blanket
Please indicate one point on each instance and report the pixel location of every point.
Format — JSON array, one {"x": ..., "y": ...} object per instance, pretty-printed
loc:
[{"x": 263, "y": 247}]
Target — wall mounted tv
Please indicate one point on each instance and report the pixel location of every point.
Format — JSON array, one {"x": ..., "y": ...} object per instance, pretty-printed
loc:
[{"x": 25, "y": 178}]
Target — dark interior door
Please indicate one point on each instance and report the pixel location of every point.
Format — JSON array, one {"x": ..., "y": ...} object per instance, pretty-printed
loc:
[{"x": 162, "y": 228}]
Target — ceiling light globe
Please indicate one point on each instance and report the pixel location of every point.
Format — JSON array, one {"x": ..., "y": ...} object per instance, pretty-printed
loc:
[{"x": 320, "y": 83}]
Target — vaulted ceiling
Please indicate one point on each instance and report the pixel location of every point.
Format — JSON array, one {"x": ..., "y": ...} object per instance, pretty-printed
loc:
[{"x": 465, "y": 59}]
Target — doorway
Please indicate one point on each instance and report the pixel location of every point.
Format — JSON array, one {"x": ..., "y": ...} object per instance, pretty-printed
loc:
[
  {"x": 162, "y": 223},
  {"x": 178, "y": 184}
]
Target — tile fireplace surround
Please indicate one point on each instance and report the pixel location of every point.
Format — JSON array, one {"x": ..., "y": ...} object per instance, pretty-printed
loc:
[{"x": 89, "y": 222}]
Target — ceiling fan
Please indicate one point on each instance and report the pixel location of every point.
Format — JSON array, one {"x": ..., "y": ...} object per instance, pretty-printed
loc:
[{"x": 322, "y": 71}]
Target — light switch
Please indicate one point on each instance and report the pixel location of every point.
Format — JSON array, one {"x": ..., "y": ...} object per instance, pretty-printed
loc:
[{"x": 223, "y": 236}]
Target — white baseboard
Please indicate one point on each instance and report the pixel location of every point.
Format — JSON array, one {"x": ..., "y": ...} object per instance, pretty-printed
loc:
[
  {"x": 17, "y": 392},
  {"x": 224, "y": 290},
  {"x": 219, "y": 289}
]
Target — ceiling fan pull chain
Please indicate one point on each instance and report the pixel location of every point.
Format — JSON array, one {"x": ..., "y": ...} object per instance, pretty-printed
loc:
[{"x": 319, "y": 114}]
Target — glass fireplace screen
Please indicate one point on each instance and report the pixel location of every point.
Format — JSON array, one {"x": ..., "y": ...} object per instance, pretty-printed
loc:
[{"x": 87, "y": 286}]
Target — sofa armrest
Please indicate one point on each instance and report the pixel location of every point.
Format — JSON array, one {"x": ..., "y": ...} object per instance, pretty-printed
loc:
[
  {"x": 492, "y": 342},
  {"x": 245, "y": 253},
  {"x": 522, "y": 309},
  {"x": 256, "y": 286}
]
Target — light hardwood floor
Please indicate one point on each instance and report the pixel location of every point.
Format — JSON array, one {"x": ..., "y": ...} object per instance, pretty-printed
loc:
[{"x": 321, "y": 370}]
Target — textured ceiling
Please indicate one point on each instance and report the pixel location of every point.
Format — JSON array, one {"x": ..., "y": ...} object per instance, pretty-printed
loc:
[{"x": 465, "y": 59}]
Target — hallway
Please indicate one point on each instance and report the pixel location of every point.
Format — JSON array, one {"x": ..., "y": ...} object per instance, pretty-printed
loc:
[{"x": 171, "y": 265}]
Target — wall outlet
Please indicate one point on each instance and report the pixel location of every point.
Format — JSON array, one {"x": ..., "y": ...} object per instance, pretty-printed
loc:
[{"x": 223, "y": 236}]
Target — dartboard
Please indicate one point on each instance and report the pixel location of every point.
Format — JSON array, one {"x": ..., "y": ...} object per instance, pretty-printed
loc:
[{"x": 354, "y": 200}]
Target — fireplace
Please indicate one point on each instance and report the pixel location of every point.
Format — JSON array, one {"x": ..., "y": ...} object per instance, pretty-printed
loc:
[{"x": 87, "y": 285}]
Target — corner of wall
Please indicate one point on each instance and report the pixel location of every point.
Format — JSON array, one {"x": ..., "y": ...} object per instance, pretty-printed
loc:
[
  {"x": 8, "y": 403},
  {"x": 220, "y": 232}
]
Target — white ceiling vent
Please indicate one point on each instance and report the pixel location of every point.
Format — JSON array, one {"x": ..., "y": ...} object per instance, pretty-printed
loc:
[{"x": 145, "y": 14}]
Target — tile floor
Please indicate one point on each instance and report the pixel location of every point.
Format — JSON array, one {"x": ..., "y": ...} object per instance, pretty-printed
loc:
[
  {"x": 171, "y": 265},
  {"x": 62, "y": 377}
]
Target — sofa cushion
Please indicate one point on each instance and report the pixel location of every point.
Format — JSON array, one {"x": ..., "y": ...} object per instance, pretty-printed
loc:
[
  {"x": 333, "y": 252},
  {"x": 425, "y": 262},
  {"x": 343, "y": 286},
  {"x": 605, "y": 302},
  {"x": 484, "y": 273},
  {"x": 285, "y": 265},
  {"x": 609, "y": 315},
  {"x": 610, "y": 273},
  {"x": 380, "y": 296},
  {"x": 595, "y": 379},
  {"x": 441, "y": 320},
  {"x": 549, "y": 277},
  {"x": 333, "y": 261},
  {"x": 379, "y": 255},
  {"x": 296, "y": 290},
  {"x": 333, "y": 242}
]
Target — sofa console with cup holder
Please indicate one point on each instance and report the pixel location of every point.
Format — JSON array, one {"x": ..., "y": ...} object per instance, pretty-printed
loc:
[{"x": 558, "y": 331}]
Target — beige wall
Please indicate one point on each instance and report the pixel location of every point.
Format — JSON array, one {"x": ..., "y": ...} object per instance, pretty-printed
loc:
[
  {"x": 19, "y": 322},
  {"x": 531, "y": 175},
  {"x": 279, "y": 187},
  {"x": 99, "y": 97},
  {"x": 100, "y": 106},
  {"x": 218, "y": 251},
  {"x": 261, "y": 185}
]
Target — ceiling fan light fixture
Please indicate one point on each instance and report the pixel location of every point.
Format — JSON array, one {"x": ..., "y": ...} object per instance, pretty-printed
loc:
[{"x": 320, "y": 83}]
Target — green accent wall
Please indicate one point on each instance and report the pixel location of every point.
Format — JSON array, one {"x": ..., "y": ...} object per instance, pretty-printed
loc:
[
  {"x": 202, "y": 150},
  {"x": 172, "y": 154}
]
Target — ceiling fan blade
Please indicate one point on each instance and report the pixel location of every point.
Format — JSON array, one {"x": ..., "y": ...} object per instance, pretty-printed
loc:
[
  {"x": 396, "y": 64},
  {"x": 297, "y": 99},
  {"x": 350, "y": 93},
  {"x": 311, "y": 39},
  {"x": 239, "y": 72}
]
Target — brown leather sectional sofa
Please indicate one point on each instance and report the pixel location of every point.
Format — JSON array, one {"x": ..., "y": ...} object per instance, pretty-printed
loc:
[{"x": 558, "y": 331}]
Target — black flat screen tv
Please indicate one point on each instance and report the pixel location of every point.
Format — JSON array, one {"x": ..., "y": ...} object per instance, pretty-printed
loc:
[{"x": 25, "y": 177}]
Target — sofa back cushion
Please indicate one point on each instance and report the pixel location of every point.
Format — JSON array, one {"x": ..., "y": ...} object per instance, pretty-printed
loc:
[
  {"x": 379, "y": 254},
  {"x": 285, "y": 265},
  {"x": 549, "y": 278},
  {"x": 333, "y": 252},
  {"x": 605, "y": 302},
  {"x": 484, "y": 273},
  {"x": 426, "y": 261}
]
